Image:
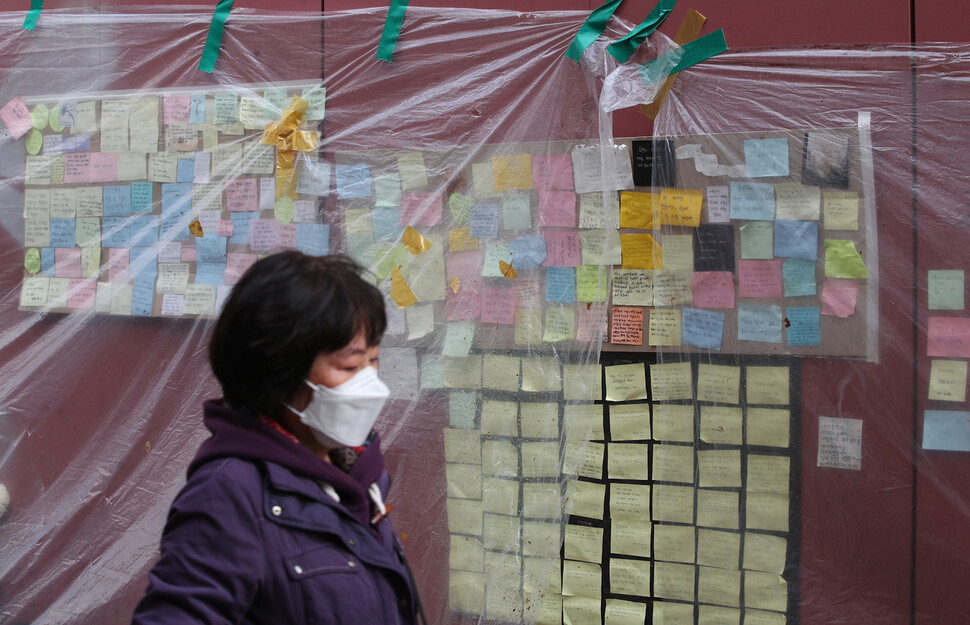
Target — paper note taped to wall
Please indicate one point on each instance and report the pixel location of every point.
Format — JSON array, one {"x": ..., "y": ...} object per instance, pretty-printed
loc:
[{"x": 840, "y": 443}]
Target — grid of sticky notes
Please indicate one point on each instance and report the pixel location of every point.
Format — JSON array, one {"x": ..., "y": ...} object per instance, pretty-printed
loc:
[
  {"x": 948, "y": 346},
  {"x": 154, "y": 205},
  {"x": 681, "y": 504},
  {"x": 775, "y": 247},
  {"x": 518, "y": 239},
  {"x": 504, "y": 483}
]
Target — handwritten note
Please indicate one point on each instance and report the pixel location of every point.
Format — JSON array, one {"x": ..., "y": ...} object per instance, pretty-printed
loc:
[
  {"x": 557, "y": 209},
  {"x": 634, "y": 287},
  {"x": 681, "y": 207},
  {"x": 842, "y": 260},
  {"x": 796, "y": 239},
  {"x": 752, "y": 200},
  {"x": 762, "y": 323},
  {"x": 948, "y": 380},
  {"x": 756, "y": 240},
  {"x": 711, "y": 289},
  {"x": 702, "y": 328},
  {"x": 840, "y": 210},
  {"x": 664, "y": 327},
  {"x": 714, "y": 248},
  {"x": 760, "y": 278},
  {"x": 639, "y": 210},
  {"x": 718, "y": 204},
  {"x": 839, "y": 297},
  {"x": 797, "y": 201},
  {"x": 626, "y": 327},
  {"x": 626, "y": 382},
  {"x": 945, "y": 289},
  {"x": 947, "y": 337},
  {"x": 946, "y": 430},
  {"x": 764, "y": 158},
  {"x": 718, "y": 383},
  {"x": 840, "y": 443}
]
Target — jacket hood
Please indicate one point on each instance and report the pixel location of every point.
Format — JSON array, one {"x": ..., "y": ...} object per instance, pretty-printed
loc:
[{"x": 236, "y": 434}]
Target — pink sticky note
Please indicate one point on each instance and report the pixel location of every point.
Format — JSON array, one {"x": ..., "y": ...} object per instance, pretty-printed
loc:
[
  {"x": 67, "y": 262},
  {"x": 82, "y": 293},
  {"x": 288, "y": 236},
  {"x": 562, "y": 249},
  {"x": 528, "y": 292},
  {"x": 264, "y": 234},
  {"x": 17, "y": 118},
  {"x": 557, "y": 209},
  {"x": 236, "y": 265},
  {"x": 760, "y": 278},
  {"x": 103, "y": 167},
  {"x": 839, "y": 297},
  {"x": 712, "y": 289},
  {"x": 224, "y": 228},
  {"x": 241, "y": 195},
  {"x": 176, "y": 108},
  {"x": 464, "y": 305},
  {"x": 591, "y": 324},
  {"x": 117, "y": 264},
  {"x": 553, "y": 171},
  {"x": 189, "y": 253},
  {"x": 498, "y": 306},
  {"x": 77, "y": 167},
  {"x": 420, "y": 209},
  {"x": 948, "y": 336}
]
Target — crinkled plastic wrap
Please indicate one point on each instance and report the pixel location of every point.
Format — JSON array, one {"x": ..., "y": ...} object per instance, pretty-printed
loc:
[{"x": 629, "y": 375}]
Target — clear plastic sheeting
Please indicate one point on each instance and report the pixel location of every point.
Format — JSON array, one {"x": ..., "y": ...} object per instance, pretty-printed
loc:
[{"x": 714, "y": 375}]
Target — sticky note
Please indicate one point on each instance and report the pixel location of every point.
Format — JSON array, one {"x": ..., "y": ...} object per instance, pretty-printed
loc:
[
  {"x": 516, "y": 211},
  {"x": 840, "y": 210},
  {"x": 760, "y": 278},
  {"x": 762, "y": 323},
  {"x": 712, "y": 289},
  {"x": 557, "y": 209},
  {"x": 17, "y": 117},
  {"x": 945, "y": 289},
  {"x": 757, "y": 240},
  {"x": 592, "y": 283},
  {"x": 559, "y": 324},
  {"x": 552, "y": 171},
  {"x": 714, "y": 248},
  {"x": 681, "y": 207},
  {"x": 718, "y": 204},
  {"x": 842, "y": 260},
  {"x": 498, "y": 305},
  {"x": 701, "y": 328},
  {"x": 512, "y": 172},
  {"x": 946, "y": 430},
  {"x": 672, "y": 287},
  {"x": 639, "y": 210},
  {"x": 483, "y": 221},
  {"x": 797, "y": 201},
  {"x": 563, "y": 248},
  {"x": 353, "y": 181},
  {"x": 804, "y": 325},
  {"x": 626, "y": 326},
  {"x": 948, "y": 337},
  {"x": 597, "y": 212},
  {"x": 665, "y": 327},
  {"x": 798, "y": 276},
  {"x": 765, "y": 158},
  {"x": 420, "y": 209},
  {"x": 641, "y": 251},
  {"x": 948, "y": 380},
  {"x": 796, "y": 239},
  {"x": 752, "y": 200},
  {"x": 601, "y": 247},
  {"x": 634, "y": 287},
  {"x": 625, "y": 382},
  {"x": 839, "y": 297}
]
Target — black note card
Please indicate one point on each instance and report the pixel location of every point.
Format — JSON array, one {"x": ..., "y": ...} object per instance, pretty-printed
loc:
[
  {"x": 654, "y": 164},
  {"x": 714, "y": 248}
]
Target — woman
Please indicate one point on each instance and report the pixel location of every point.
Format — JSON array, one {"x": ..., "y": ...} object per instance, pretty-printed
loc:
[{"x": 282, "y": 518}]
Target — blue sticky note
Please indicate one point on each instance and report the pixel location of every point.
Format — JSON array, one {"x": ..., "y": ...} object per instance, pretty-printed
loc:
[
  {"x": 82, "y": 143},
  {"x": 47, "y": 262},
  {"x": 462, "y": 409},
  {"x": 143, "y": 230},
  {"x": 240, "y": 228},
  {"x": 752, "y": 200},
  {"x": 805, "y": 326},
  {"x": 197, "y": 109},
  {"x": 484, "y": 221},
  {"x": 185, "y": 170},
  {"x": 701, "y": 328},
  {"x": 115, "y": 232},
  {"x": 529, "y": 251},
  {"x": 946, "y": 430},
  {"x": 386, "y": 223},
  {"x": 210, "y": 273},
  {"x": 798, "y": 276},
  {"x": 143, "y": 264},
  {"x": 142, "y": 197},
  {"x": 765, "y": 158},
  {"x": 353, "y": 181},
  {"x": 313, "y": 239},
  {"x": 796, "y": 239},
  {"x": 116, "y": 201},
  {"x": 142, "y": 297},
  {"x": 62, "y": 232},
  {"x": 759, "y": 323},
  {"x": 176, "y": 208},
  {"x": 210, "y": 249},
  {"x": 561, "y": 285}
]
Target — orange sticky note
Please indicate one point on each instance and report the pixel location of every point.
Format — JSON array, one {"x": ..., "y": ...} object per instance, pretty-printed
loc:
[
  {"x": 512, "y": 172},
  {"x": 641, "y": 251},
  {"x": 627, "y": 326},
  {"x": 460, "y": 240},
  {"x": 681, "y": 207},
  {"x": 638, "y": 210}
]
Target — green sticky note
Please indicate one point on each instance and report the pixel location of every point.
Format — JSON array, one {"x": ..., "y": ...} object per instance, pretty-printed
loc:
[
  {"x": 945, "y": 289},
  {"x": 756, "y": 241},
  {"x": 432, "y": 371},
  {"x": 592, "y": 283},
  {"x": 40, "y": 116},
  {"x": 460, "y": 206},
  {"x": 458, "y": 339},
  {"x": 462, "y": 409},
  {"x": 560, "y": 324},
  {"x": 517, "y": 211},
  {"x": 32, "y": 261},
  {"x": 842, "y": 260},
  {"x": 283, "y": 209},
  {"x": 34, "y": 142}
]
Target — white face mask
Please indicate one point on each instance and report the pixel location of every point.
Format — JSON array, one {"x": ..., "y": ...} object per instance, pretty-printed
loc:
[{"x": 345, "y": 414}]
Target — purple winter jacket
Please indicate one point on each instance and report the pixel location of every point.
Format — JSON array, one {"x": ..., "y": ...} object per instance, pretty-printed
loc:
[{"x": 253, "y": 538}]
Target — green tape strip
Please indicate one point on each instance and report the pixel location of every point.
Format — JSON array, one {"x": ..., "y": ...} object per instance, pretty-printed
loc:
[
  {"x": 623, "y": 48},
  {"x": 212, "y": 43},
  {"x": 33, "y": 14},
  {"x": 591, "y": 29},
  {"x": 392, "y": 29},
  {"x": 689, "y": 54}
]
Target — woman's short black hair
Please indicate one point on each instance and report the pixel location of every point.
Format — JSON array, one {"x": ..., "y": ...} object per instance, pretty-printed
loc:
[{"x": 288, "y": 308}]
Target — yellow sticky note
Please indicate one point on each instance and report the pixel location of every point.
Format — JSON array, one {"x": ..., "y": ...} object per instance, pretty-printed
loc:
[
  {"x": 460, "y": 240},
  {"x": 583, "y": 543},
  {"x": 641, "y": 251},
  {"x": 631, "y": 536},
  {"x": 585, "y": 499},
  {"x": 718, "y": 383},
  {"x": 400, "y": 291},
  {"x": 948, "y": 380},
  {"x": 674, "y": 543},
  {"x": 512, "y": 172},
  {"x": 840, "y": 210},
  {"x": 681, "y": 207},
  {"x": 768, "y": 427},
  {"x": 767, "y": 385},
  {"x": 671, "y": 381},
  {"x": 665, "y": 327},
  {"x": 626, "y": 382},
  {"x": 638, "y": 210}
]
